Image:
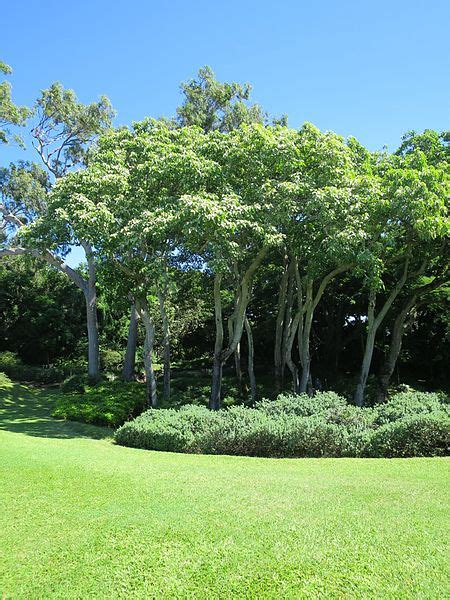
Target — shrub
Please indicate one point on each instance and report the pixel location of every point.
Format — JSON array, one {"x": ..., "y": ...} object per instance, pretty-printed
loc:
[
  {"x": 294, "y": 426},
  {"x": 5, "y": 382},
  {"x": 237, "y": 431},
  {"x": 111, "y": 360},
  {"x": 410, "y": 403},
  {"x": 418, "y": 435},
  {"x": 74, "y": 383},
  {"x": 107, "y": 403},
  {"x": 302, "y": 405},
  {"x": 12, "y": 365}
]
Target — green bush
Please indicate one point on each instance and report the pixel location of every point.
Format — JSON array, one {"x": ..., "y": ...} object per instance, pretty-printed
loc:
[
  {"x": 418, "y": 435},
  {"x": 12, "y": 365},
  {"x": 107, "y": 403},
  {"x": 75, "y": 383},
  {"x": 410, "y": 403},
  {"x": 302, "y": 405},
  {"x": 295, "y": 426},
  {"x": 237, "y": 431},
  {"x": 111, "y": 360}
]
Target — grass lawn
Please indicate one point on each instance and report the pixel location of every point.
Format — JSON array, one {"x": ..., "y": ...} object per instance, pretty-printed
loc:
[{"x": 83, "y": 518}]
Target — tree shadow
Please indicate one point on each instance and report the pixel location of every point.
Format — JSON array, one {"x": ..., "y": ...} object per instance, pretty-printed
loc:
[{"x": 28, "y": 410}]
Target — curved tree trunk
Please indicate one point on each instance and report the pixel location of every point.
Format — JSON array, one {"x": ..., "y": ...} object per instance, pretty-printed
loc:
[
  {"x": 237, "y": 359},
  {"x": 90, "y": 293},
  {"x": 221, "y": 355},
  {"x": 251, "y": 355},
  {"x": 287, "y": 322},
  {"x": 373, "y": 323},
  {"x": 214, "y": 399},
  {"x": 87, "y": 286},
  {"x": 142, "y": 308},
  {"x": 397, "y": 335},
  {"x": 166, "y": 347},
  {"x": 279, "y": 328},
  {"x": 129, "y": 362}
]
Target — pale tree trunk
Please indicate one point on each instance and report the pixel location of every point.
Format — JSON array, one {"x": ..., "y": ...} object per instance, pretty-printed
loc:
[
  {"x": 222, "y": 355},
  {"x": 393, "y": 353},
  {"x": 305, "y": 357},
  {"x": 166, "y": 347},
  {"x": 214, "y": 400},
  {"x": 373, "y": 323},
  {"x": 91, "y": 313},
  {"x": 279, "y": 327},
  {"x": 287, "y": 322},
  {"x": 129, "y": 362},
  {"x": 310, "y": 306},
  {"x": 142, "y": 308},
  {"x": 87, "y": 286},
  {"x": 251, "y": 356},
  {"x": 237, "y": 358},
  {"x": 295, "y": 328},
  {"x": 398, "y": 330},
  {"x": 368, "y": 352},
  {"x": 290, "y": 342}
]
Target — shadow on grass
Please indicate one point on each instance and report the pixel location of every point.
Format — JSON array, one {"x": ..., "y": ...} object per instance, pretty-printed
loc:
[{"x": 28, "y": 410}]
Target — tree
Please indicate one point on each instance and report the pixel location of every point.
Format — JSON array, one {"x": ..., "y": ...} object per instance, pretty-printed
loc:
[
  {"x": 216, "y": 106},
  {"x": 322, "y": 195},
  {"x": 235, "y": 226},
  {"x": 127, "y": 205},
  {"x": 10, "y": 113},
  {"x": 40, "y": 315},
  {"x": 64, "y": 131},
  {"x": 410, "y": 222}
]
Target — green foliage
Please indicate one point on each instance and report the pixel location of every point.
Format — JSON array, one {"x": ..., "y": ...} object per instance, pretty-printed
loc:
[
  {"x": 302, "y": 405},
  {"x": 212, "y": 105},
  {"x": 407, "y": 404},
  {"x": 416, "y": 435},
  {"x": 42, "y": 313},
  {"x": 74, "y": 383},
  {"x": 12, "y": 365},
  {"x": 295, "y": 427},
  {"x": 107, "y": 403},
  {"x": 10, "y": 113},
  {"x": 111, "y": 360},
  {"x": 66, "y": 127}
]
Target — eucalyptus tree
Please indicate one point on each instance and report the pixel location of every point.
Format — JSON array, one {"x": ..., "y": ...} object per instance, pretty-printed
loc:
[
  {"x": 406, "y": 235},
  {"x": 216, "y": 106},
  {"x": 10, "y": 113},
  {"x": 62, "y": 136}
]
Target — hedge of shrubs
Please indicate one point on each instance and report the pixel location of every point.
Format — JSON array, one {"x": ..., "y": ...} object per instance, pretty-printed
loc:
[
  {"x": 109, "y": 403},
  {"x": 410, "y": 424}
]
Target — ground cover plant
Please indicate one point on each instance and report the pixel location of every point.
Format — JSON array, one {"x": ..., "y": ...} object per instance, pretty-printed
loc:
[
  {"x": 107, "y": 521},
  {"x": 106, "y": 403}
]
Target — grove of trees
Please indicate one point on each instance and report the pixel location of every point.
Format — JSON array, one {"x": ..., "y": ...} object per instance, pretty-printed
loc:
[{"x": 223, "y": 233}]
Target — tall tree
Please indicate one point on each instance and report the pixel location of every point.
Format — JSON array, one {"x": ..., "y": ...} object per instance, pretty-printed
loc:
[
  {"x": 216, "y": 106},
  {"x": 10, "y": 113},
  {"x": 410, "y": 222},
  {"x": 64, "y": 131}
]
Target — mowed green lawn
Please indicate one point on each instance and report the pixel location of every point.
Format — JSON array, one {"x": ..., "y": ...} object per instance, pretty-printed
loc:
[{"x": 83, "y": 518}]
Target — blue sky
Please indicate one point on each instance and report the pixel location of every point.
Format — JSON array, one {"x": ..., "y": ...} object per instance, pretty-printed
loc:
[{"x": 364, "y": 68}]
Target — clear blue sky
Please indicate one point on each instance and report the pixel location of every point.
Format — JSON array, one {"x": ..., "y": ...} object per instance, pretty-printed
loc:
[{"x": 372, "y": 69}]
